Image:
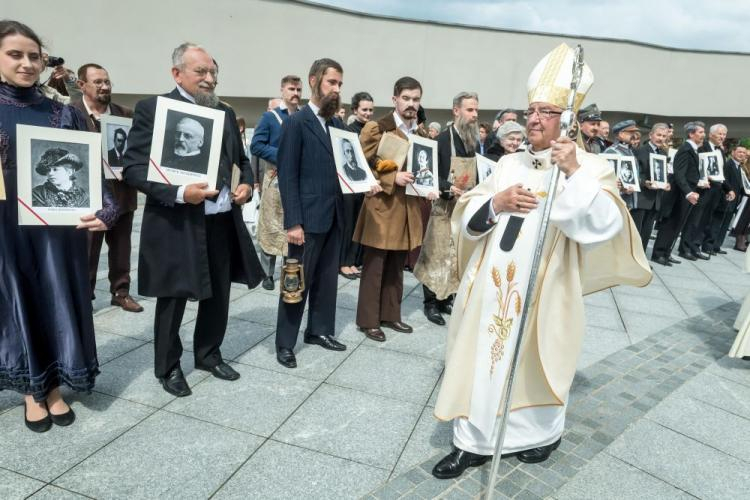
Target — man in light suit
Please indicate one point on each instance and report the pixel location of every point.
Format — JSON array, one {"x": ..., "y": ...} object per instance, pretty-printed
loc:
[{"x": 313, "y": 212}]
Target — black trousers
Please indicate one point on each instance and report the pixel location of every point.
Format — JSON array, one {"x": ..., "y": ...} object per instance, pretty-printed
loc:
[
  {"x": 211, "y": 323},
  {"x": 720, "y": 224},
  {"x": 320, "y": 258},
  {"x": 118, "y": 253},
  {"x": 670, "y": 228},
  {"x": 351, "y": 253},
  {"x": 644, "y": 221},
  {"x": 431, "y": 298},
  {"x": 714, "y": 195},
  {"x": 692, "y": 230}
]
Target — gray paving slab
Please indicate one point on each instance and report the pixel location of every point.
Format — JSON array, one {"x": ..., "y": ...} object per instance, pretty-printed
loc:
[
  {"x": 239, "y": 337},
  {"x": 278, "y": 470},
  {"x": 239, "y": 404},
  {"x": 650, "y": 306},
  {"x": 16, "y": 487},
  {"x": 719, "y": 392},
  {"x": 640, "y": 326},
  {"x": 388, "y": 373},
  {"x": 430, "y": 437},
  {"x": 426, "y": 340},
  {"x": 433, "y": 397},
  {"x": 256, "y": 307},
  {"x": 131, "y": 377},
  {"x": 166, "y": 456},
  {"x": 366, "y": 428},
  {"x": 598, "y": 343},
  {"x": 110, "y": 346},
  {"x": 705, "y": 423},
  {"x": 735, "y": 369},
  {"x": 608, "y": 477},
  {"x": 603, "y": 298},
  {"x": 602, "y": 317},
  {"x": 9, "y": 400},
  {"x": 654, "y": 449},
  {"x": 99, "y": 419},
  {"x": 140, "y": 325},
  {"x": 51, "y": 492}
]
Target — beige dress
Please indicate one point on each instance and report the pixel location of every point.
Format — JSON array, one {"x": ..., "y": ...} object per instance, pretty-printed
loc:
[{"x": 741, "y": 346}]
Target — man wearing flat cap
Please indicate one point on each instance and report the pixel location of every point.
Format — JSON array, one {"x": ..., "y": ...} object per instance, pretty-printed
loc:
[
  {"x": 589, "y": 119},
  {"x": 591, "y": 245},
  {"x": 60, "y": 188},
  {"x": 623, "y": 132}
]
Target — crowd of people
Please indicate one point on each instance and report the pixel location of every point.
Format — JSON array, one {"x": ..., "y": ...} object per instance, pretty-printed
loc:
[{"x": 194, "y": 241}]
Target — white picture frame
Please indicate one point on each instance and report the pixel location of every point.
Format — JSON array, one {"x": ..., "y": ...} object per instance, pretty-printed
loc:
[
  {"x": 422, "y": 161},
  {"x": 49, "y": 158},
  {"x": 112, "y": 127},
  {"x": 613, "y": 160},
  {"x": 745, "y": 182},
  {"x": 714, "y": 166},
  {"x": 191, "y": 157},
  {"x": 627, "y": 172},
  {"x": 485, "y": 168},
  {"x": 658, "y": 166},
  {"x": 670, "y": 160},
  {"x": 352, "y": 168}
]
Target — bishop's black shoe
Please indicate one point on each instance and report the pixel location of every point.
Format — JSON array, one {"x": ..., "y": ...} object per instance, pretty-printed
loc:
[
  {"x": 445, "y": 307},
  {"x": 537, "y": 455},
  {"x": 456, "y": 462},
  {"x": 432, "y": 314}
]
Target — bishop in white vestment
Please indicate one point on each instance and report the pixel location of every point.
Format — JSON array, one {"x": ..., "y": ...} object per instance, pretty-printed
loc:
[{"x": 591, "y": 244}]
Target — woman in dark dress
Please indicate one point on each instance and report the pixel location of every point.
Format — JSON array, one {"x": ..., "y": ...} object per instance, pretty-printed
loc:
[{"x": 46, "y": 322}]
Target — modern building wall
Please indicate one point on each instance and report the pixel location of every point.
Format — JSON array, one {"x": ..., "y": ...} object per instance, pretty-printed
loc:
[{"x": 258, "y": 41}]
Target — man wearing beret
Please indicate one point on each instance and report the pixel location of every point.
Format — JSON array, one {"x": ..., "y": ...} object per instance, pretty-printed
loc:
[{"x": 60, "y": 189}]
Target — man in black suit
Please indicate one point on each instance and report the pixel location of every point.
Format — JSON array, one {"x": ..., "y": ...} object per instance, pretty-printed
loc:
[
  {"x": 733, "y": 179},
  {"x": 685, "y": 211},
  {"x": 717, "y": 196},
  {"x": 648, "y": 201},
  {"x": 194, "y": 242},
  {"x": 313, "y": 212},
  {"x": 116, "y": 153}
]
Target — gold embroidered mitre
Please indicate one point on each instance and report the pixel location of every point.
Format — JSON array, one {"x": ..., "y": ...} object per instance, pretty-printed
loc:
[{"x": 550, "y": 79}]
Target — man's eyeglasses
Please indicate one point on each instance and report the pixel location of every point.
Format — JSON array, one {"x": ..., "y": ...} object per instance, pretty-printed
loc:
[
  {"x": 202, "y": 72},
  {"x": 544, "y": 114}
]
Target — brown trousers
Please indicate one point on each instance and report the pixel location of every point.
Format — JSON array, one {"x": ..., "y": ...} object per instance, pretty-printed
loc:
[
  {"x": 118, "y": 241},
  {"x": 381, "y": 286}
]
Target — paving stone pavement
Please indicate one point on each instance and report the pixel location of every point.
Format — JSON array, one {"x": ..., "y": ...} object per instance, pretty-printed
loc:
[{"x": 656, "y": 409}]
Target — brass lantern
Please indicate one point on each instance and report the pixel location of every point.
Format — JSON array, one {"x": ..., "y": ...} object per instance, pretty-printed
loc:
[{"x": 292, "y": 281}]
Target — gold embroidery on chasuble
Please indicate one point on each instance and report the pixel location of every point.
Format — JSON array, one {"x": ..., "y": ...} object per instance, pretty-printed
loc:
[{"x": 509, "y": 307}]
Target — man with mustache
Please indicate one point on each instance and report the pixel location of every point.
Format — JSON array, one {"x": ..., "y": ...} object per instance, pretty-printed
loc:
[
  {"x": 187, "y": 152},
  {"x": 194, "y": 243},
  {"x": 265, "y": 147},
  {"x": 96, "y": 86},
  {"x": 390, "y": 223},
  {"x": 313, "y": 212},
  {"x": 457, "y": 146}
]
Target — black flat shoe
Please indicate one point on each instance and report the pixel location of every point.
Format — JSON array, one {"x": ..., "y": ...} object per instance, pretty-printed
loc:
[
  {"x": 39, "y": 426},
  {"x": 445, "y": 308},
  {"x": 537, "y": 455},
  {"x": 64, "y": 419},
  {"x": 268, "y": 283},
  {"x": 399, "y": 326},
  {"x": 222, "y": 371},
  {"x": 175, "y": 383},
  {"x": 456, "y": 462},
  {"x": 702, "y": 256},
  {"x": 286, "y": 357},
  {"x": 688, "y": 256},
  {"x": 662, "y": 260},
  {"x": 432, "y": 314},
  {"x": 672, "y": 260},
  {"x": 325, "y": 342}
]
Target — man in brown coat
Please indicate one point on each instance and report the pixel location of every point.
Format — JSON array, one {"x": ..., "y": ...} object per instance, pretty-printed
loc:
[
  {"x": 93, "y": 80},
  {"x": 390, "y": 223}
]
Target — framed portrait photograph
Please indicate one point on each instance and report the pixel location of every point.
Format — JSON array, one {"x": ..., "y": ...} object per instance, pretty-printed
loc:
[
  {"x": 485, "y": 167},
  {"x": 628, "y": 173},
  {"x": 703, "y": 162},
  {"x": 714, "y": 166},
  {"x": 59, "y": 175},
  {"x": 745, "y": 182},
  {"x": 422, "y": 162},
  {"x": 658, "y": 165},
  {"x": 186, "y": 143},
  {"x": 613, "y": 160},
  {"x": 353, "y": 171},
  {"x": 670, "y": 160},
  {"x": 115, "y": 132}
]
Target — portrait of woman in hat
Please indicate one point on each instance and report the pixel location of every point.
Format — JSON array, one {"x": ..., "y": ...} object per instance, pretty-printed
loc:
[{"x": 60, "y": 189}]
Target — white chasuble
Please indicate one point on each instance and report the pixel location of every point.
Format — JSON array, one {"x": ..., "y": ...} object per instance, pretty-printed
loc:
[
  {"x": 741, "y": 345},
  {"x": 591, "y": 244}
]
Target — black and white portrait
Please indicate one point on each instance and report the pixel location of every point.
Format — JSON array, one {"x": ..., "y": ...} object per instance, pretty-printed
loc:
[
  {"x": 659, "y": 169},
  {"x": 421, "y": 166},
  {"x": 660, "y": 174},
  {"x": 115, "y": 131},
  {"x": 187, "y": 141},
  {"x": 352, "y": 169},
  {"x": 613, "y": 160},
  {"x": 61, "y": 174},
  {"x": 712, "y": 166},
  {"x": 628, "y": 173},
  {"x": 117, "y": 139},
  {"x": 485, "y": 167}
]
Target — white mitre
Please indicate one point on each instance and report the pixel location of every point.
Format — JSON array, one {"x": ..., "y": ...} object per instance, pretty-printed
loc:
[{"x": 550, "y": 79}]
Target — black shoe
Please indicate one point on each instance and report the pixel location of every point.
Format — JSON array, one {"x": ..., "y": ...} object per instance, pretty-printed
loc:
[
  {"x": 268, "y": 282},
  {"x": 672, "y": 260},
  {"x": 445, "y": 307},
  {"x": 325, "y": 342},
  {"x": 537, "y": 455},
  {"x": 286, "y": 357},
  {"x": 662, "y": 260},
  {"x": 720, "y": 251},
  {"x": 222, "y": 371},
  {"x": 175, "y": 383},
  {"x": 456, "y": 462},
  {"x": 432, "y": 314},
  {"x": 349, "y": 276},
  {"x": 65, "y": 419},
  {"x": 399, "y": 326},
  {"x": 746, "y": 358},
  {"x": 687, "y": 256},
  {"x": 42, "y": 425},
  {"x": 701, "y": 256},
  {"x": 709, "y": 252}
]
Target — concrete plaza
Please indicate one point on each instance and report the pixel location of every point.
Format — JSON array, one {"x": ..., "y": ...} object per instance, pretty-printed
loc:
[{"x": 657, "y": 410}]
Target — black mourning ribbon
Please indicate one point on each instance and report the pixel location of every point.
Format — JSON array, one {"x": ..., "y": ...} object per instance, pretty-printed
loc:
[{"x": 479, "y": 224}]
